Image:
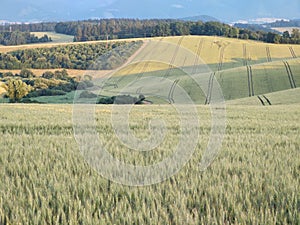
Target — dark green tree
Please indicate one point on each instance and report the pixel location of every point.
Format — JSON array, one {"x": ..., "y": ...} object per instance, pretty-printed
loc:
[
  {"x": 26, "y": 73},
  {"x": 286, "y": 34}
]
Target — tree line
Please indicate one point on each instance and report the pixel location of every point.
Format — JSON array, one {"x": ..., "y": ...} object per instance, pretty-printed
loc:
[
  {"x": 133, "y": 28},
  {"x": 20, "y": 38},
  {"x": 293, "y": 38},
  {"x": 25, "y": 85},
  {"x": 284, "y": 23},
  {"x": 254, "y": 33},
  {"x": 81, "y": 56},
  {"x": 102, "y": 29},
  {"x": 29, "y": 27}
]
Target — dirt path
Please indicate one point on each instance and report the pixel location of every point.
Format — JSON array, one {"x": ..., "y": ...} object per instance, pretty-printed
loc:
[{"x": 131, "y": 58}]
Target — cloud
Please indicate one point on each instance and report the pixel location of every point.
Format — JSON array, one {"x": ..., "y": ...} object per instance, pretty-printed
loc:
[
  {"x": 108, "y": 15},
  {"x": 105, "y": 3},
  {"x": 177, "y": 6},
  {"x": 113, "y": 10},
  {"x": 27, "y": 11},
  {"x": 266, "y": 20}
]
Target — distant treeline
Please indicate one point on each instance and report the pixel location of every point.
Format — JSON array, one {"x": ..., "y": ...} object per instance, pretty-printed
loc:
[
  {"x": 255, "y": 27},
  {"x": 90, "y": 30},
  {"x": 134, "y": 28},
  {"x": 284, "y": 23},
  {"x": 31, "y": 27},
  {"x": 27, "y": 85},
  {"x": 20, "y": 38},
  {"x": 82, "y": 56}
]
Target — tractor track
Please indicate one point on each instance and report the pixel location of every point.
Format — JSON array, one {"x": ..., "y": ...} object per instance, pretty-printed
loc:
[
  {"x": 210, "y": 87},
  {"x": 221, "y": 59},
  {"x": 290, "y": 74},
  {"x": 174, "y": 57},
  {"x": 269, "y": 58},
  {"x": 245, "y": 62},
  {"x": 171, "y": 92},
  {"x": 263, "y": 99},
  {"x": 268, "y": 101},
  {"x": 200, "y": 46},
  {"x": 250, "y": 81},
  {"x": 292, "y": 52},
  {"x": 139, "y": 76}
]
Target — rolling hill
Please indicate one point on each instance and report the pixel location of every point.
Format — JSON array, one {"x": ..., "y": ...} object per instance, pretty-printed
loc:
[
  {"x": 286, "y": 97},
  {"x": 242, "y": 68}
]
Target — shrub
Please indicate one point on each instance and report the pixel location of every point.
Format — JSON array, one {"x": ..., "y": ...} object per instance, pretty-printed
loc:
[
  {"x": 25, "y": 73},
  {"x": 122, "y": 99},
  {"x": 45, "y": 92},
  {"x": 87, "y": 94},
  {"x": 48, "y": 75},
  {"x": 84, "y": 85}
]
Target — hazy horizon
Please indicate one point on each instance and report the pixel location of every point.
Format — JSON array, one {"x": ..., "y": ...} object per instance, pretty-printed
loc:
[{"x": 227, "y": 11}]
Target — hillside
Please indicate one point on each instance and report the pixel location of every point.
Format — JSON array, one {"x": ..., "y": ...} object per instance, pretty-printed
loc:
[
  {"x": 286, "y": 97},
  {"x": 243, "y": 68},
  {"x": 55, "y": 37}
]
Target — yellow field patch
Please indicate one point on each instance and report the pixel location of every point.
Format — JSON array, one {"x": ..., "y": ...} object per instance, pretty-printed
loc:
[
  {"x": 55, "y": 36},
  {"x": 141, "y": 67},
  {"x": 71, "y": 72},
  {"x": 53, "y": 44},
  {"x": 209, "y": 49},
  {"x": 2, "y": 90}
]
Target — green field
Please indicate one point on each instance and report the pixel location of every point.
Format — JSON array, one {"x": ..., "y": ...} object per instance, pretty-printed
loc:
[
  {"x": 56, "y": 38},
  {"x": 254, "y": 179},
  {"x": 286, "y": 97}
]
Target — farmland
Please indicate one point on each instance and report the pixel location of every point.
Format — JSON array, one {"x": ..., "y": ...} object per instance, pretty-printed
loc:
[
  {"x": 56, "y": 38},
  {"x": 242, "y": 68},
  {"x": 286, "y": 97},
  {"x": 254, "y": 180}
]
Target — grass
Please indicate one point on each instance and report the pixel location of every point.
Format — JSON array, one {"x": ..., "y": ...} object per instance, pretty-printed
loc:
[
  {"x": 286, "y": 97},
  {"x": 61, "y": 99},
  {"x": 267, "y": 78},
  {"x": 254, "y": 180},
  {"x": 56, "y": 38}
]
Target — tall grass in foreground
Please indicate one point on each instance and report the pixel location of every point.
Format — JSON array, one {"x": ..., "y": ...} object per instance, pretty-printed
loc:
[{"x": 254, "y": 180}]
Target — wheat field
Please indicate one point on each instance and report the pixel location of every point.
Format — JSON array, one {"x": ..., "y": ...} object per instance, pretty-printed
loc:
[{"x": 254, "y": 179}]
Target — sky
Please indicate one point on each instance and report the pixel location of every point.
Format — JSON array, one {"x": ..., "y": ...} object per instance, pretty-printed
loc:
[{"x": 224, "y": 10}]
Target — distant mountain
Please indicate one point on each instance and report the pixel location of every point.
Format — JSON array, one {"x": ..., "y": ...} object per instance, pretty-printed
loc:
[{"x": 203, "y": 18}]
